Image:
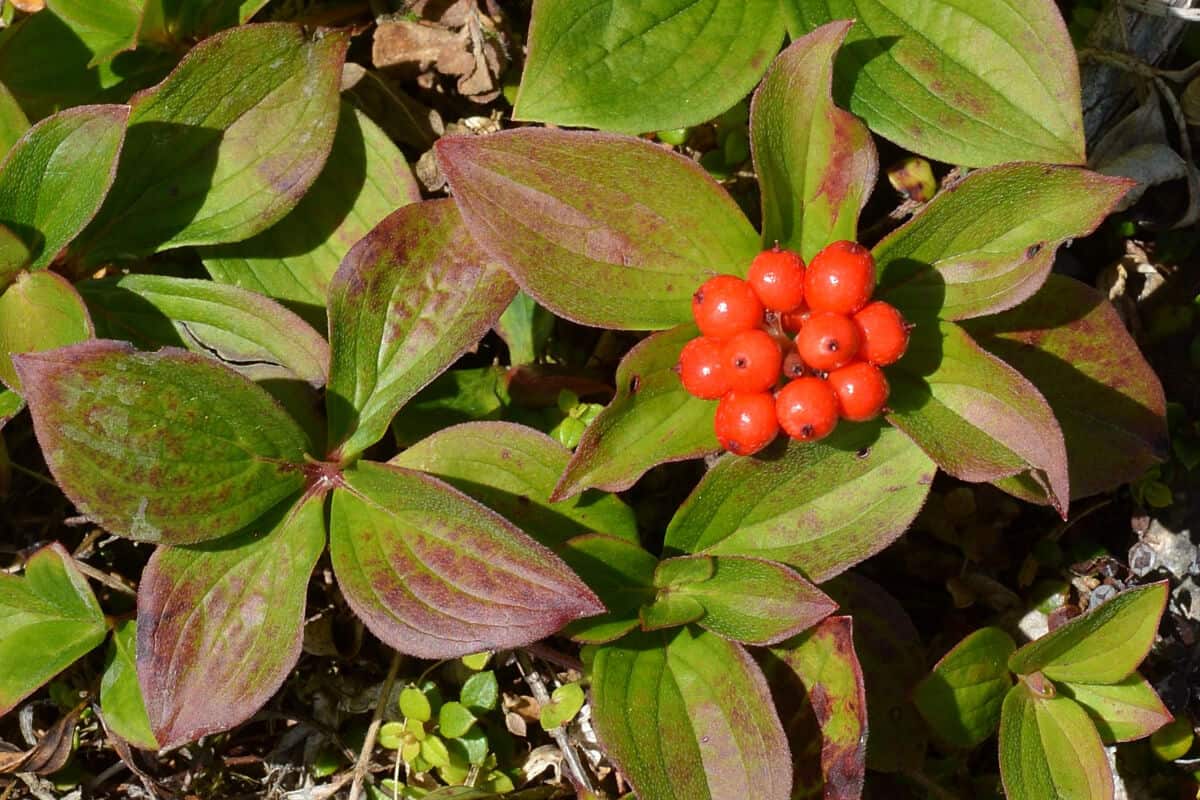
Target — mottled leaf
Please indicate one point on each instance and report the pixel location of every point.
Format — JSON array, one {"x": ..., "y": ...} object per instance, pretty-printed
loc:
[
  {"x": 48, "y": 618},
  {"x": 1123, "y": 711},
  {"x": 989, "y": 243},
  {"x": 167, "y": 446},
  {"x": 1049, "y": 748},
  {"x": 409, "y": 299},
  {"x": 55, "y": 177},
  {"x": 13, "y": 122},
  {"x": 962, "y": 696},
  {"x": 1069, "y": 341},
  {"x": 816, "y": 679},
  {"x": 120, "y": 694},
  {"x": 651, "y": 421},
  {"x": 977, "y": 417},
  {"x": 820, "y": 507},
  {"x": 620, "y": 573},
  {"x": 974, "y": 84},
  {"x": 603, "y": 230},
  {"x": 512, "y": 469},
  {"x": 225, "y": 146},
  {"x": 220, "y": 625},
  {"x": 436, "y": 575},
  {"x": 1104, "y": 645},
  {"x": 39, "y": 311},
  {"x": 364, "y": 179},
  {"x": 816, "y": 163},
  {"x": 105, "y": 28},
  {"x": 644, "y": 65},
  {"x": 686, "y": 713}
]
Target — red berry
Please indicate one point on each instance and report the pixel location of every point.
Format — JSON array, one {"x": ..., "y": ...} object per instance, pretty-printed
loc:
[
  {"x": 726, "y": 305},
  {"x": 793, "y": 365},
  {"x": 701, "y": 369},
  {"x": 827, "y": 340},
  {"x": 807, "y": 409},
  {"x": 840, "y": 278},
  {"x": 746, "y": 423},
  {"x": 793, "y": 321},
  {"x": 884, "y": 333},
  {"x": 777, "y": 277},
  {"x": 861, "y": 390},
  {"x": 752, "y": 360}
]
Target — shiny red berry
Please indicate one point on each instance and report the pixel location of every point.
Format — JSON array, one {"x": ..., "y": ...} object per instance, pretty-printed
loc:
[
  {"x": 726, "y": 305},
  {"x": 828, "y": 341},
  {"x": 793, "y": 321},
  {"x": 777, "y": 277},
  {"x": 746, "y": 423},
  {"x": 884, "y": 333},
  {"x": 861, "y": 390},
  {"x": 807, "y": 409},
  {"x": 702, "y": 370},
  {"x": 752, "y": 360},
  {"x": 840, "y": 278}
]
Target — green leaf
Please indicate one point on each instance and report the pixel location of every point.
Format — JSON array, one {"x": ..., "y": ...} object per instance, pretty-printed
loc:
[
  {"x": 436, "y": 575},
  {"x": 13, "y": 122},
  {"x": 962, "y": 696},
  {"x": 11, "y": 404},
  {"x": 976, "y": 84},
  {"x": 454, "y": 719},
  {"x": 644, "y": 65},
  {"x": 120, "y": 695},
  {"x": 104, "y": 28},
  {"x": 620, "y": 573},
  {"x": 220, "y": 625},
  {"x": 564, "y": 704},
  {"x": 816, "y": 679},
  {"x": 188, "y": 19},
  {"x": 14, "y": 256},
  {"x": 48, "y": 618},
  {"x": 1123, "y": 711},
  {"x": 977, "y": 417},
  {"x": 1049, "y": 748},
  {"x": 456, "y": 396},
  {"x": 364, "y": 179},
  {"x": 409, "y": 299},
  {"x": 1069, "y": 341},
  {"x": 525, "y": 327},
  {"x": 670, "y": 611},
  {"x": 602, "y": 230},
  {"x": 55, "y": 177},
  {"x": 164, "y": 447},
  {"x": 434, "y": 751},
  {"x": 650, "y": 421},
  {"x": 1173, "y": 741},
  {"x": 40, "y": 311},
  {"x": 1104, "y": 645},
  {"x": 512, "y": 469},
  {"x": 750, "y": 600},
  {"x": 480, "y": 692},
  {"x": 415, "y": 705},
  {"x": 819, "y": 507},
  {"x": 989, "y": 244},
  {"x": 225, "y": 146},
  {"x": 679, "y": 572},
  {"x": 816, "y": 163},
  {"x": 688, "y": 714}
]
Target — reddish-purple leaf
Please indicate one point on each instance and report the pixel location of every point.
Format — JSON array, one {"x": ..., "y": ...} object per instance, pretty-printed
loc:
[
  {"x": 168, "y": 446},
  {"x": 410, "y": 298},
  {"x": 436, "y": 575},
  {"x": 816, "y": 163},
  {"x": 1069, "y": 341},
  {"x": 604, "y": 230},
  {"x": 219, "y": 625},
  {"x": 818, "y": 687}
]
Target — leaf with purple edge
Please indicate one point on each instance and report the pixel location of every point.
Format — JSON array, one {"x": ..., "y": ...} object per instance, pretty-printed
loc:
[
  {"x": 1104, "y": 645},
  {"x": 976, "y": 416},
  {"x": 409, "y": 299},
  {"x": 220, "y": 625},
  {"x": 121, "y": 701},
  {"x": 223, "y": 147},
  {"x": 39, "y": 311},
  {"x": 164, "y": 447},
  {"x": 54, "y": 179},
  {"x": 818, "y": 682},
  {"x": 961, "y": 697},
  {"x": 436, "y": 575},
  {"x": 686, "y": 713},
  {"x": 48, "y": 618},
  {"x": 1070, "y": 342},
  {"x": 652, "y": 420},
  {"x": 603, "y": 230},
  {"x": 820, "y": 507},
  {"x": 988, "y": 244},
  {"x": 816, "y": 163},
  {"x": 1123, "y": 711}
]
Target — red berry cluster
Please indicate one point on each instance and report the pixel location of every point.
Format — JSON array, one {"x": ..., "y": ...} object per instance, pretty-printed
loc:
[{"x": 831, "y": 368}]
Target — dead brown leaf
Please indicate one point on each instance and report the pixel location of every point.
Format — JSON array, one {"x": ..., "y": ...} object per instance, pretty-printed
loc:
[{"x": 51, "y": 752}]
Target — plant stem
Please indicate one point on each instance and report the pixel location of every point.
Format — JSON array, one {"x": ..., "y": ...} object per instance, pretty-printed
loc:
[
  {"x": 574, "y": 767},
  {"x": 364, "y": 756}
]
